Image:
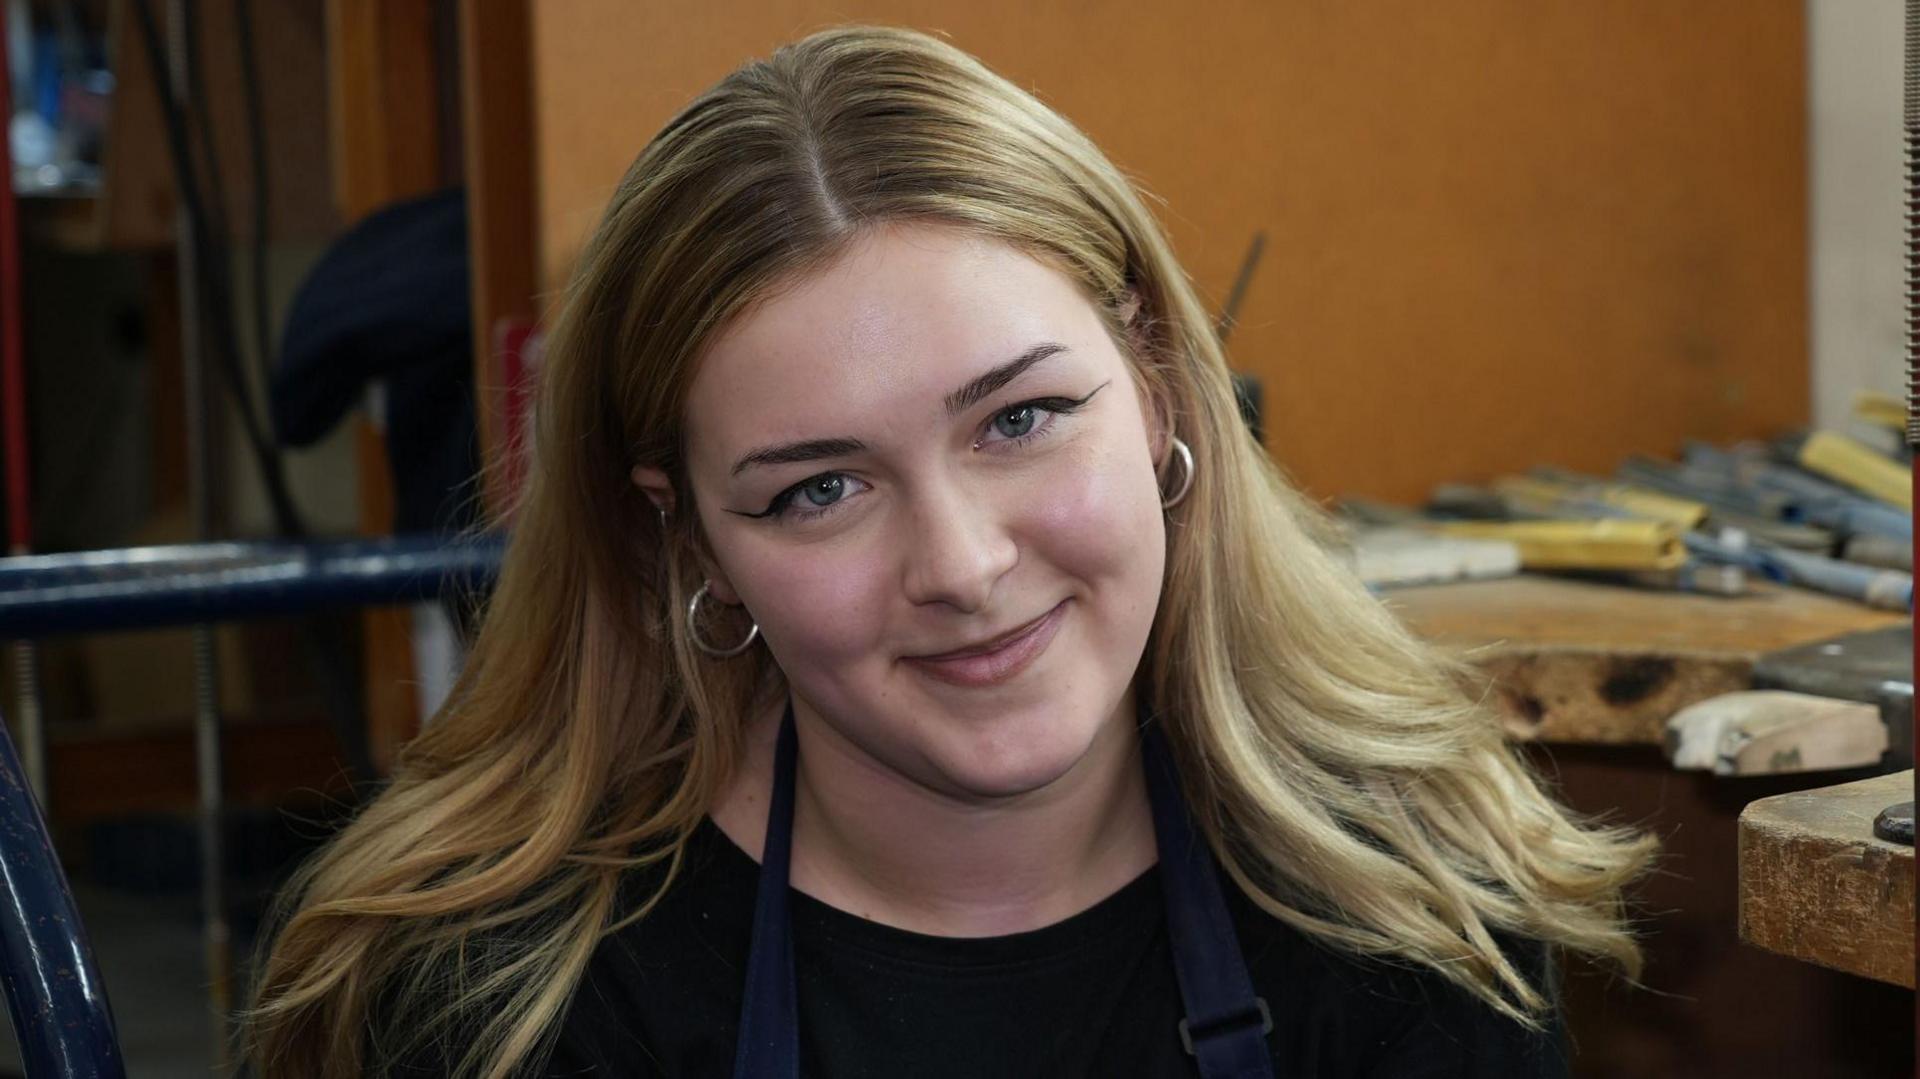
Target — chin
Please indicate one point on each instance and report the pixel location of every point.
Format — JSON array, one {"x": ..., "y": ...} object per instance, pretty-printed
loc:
[{"x": 1017, "y": 756}]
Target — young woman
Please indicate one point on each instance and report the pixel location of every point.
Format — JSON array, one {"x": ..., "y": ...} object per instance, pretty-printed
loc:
[{"x": 906, "y": 663}]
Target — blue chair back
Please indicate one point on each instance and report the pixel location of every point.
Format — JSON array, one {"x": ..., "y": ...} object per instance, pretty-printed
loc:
[{"x": 59, "y": 1008}]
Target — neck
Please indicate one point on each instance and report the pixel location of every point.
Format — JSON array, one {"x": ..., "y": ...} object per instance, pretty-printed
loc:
[{"x": 872, "y": 842}]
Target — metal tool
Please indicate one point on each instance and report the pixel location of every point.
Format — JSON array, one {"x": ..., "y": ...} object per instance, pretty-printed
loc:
[
  {"x": 1872, "y": 667},
  {"x": 1895, "y": 823}
]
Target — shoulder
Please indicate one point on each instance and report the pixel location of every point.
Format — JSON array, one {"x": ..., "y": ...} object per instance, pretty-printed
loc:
[
  {"x": 698, "y": 915},
  {"x": 1371, "y": 1016},
  {"x": 1456, "y": 1033},
  {"x": 642, "y": 978},
  {"x": 675, "y": 972}
]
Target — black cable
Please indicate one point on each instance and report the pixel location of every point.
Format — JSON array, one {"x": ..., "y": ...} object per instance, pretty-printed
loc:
[
  {"x": 257, "y": 156},
  {"x": 216, "y": 299},
  {"x": 201, "y": 132},
  {"x": 323, "y": 638}
]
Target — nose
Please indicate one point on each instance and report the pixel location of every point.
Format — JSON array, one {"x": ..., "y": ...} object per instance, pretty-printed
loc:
[{"x": 956, "y": 547}]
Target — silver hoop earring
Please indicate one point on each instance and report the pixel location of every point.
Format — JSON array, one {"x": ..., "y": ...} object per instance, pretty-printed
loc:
[
  {"x": 1181, "y": 451},
  {"x": 693, "y": 628}
]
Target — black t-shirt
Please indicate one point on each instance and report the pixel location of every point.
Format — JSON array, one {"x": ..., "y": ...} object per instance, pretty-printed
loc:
[{"x": 1093, "y": 995}]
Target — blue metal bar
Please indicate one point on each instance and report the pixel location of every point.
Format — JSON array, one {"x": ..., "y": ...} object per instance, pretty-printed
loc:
[
  {"x": 185, "y": 584},
  {"x": 54, "y": 994}
]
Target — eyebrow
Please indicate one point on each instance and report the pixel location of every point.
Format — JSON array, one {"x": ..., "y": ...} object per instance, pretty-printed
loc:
[
  {"x": 958, "y": 401},
  {"x": 973, "y": 392}
]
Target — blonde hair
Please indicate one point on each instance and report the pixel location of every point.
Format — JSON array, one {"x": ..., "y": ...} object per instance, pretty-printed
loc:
[{"x": 1350, "y": 780}]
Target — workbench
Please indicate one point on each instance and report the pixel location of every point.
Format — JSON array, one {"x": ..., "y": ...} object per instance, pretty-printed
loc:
[
  {"x": 1586, "y": 675},
  {"x": 1816, "y": 884},
  {"x": 1579, "y": 662}
]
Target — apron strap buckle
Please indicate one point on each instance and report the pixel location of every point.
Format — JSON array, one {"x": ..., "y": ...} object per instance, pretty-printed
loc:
[{"x": 1228, "y": 1026}]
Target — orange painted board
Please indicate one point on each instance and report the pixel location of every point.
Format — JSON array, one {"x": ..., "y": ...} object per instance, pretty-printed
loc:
[{"x": 1500, "y": 233}]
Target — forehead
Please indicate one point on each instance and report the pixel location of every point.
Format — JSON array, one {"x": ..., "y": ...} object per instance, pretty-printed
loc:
[{"x": 904, "y": 317}]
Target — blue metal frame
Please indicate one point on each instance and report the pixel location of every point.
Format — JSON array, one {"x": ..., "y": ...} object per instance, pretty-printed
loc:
[
  {"x": 53, "y": 990},
  {"x": 54, "y": 995},
  {"x": 186, "y": 584}
]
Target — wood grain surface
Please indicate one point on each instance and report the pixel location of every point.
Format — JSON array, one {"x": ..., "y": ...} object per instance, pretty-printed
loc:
[
  {"x": 1817, "y": 885},
  {"x": 1579, "y": 661},
  {"x": 497, "y": 111},
  {"x": 385, "y": 148}
]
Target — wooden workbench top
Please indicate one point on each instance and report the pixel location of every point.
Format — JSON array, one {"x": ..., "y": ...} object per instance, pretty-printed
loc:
[
  {"x": 1576, "y": 661},
  {"x": 1817, "y": 885}
]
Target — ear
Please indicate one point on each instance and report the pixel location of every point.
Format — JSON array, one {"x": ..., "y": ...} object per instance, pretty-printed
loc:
[
  {"x": 654, "y": 483},
  {"x": 1156, "y": 410},
  {"x": 1159, "y": 425},
  {"x": 1154, "y": 406}
]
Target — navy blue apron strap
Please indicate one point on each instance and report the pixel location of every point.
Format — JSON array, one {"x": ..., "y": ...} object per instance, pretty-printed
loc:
[
  {"x": 1226, "y": 1025},
  {"x": 769, "y": 1042}
]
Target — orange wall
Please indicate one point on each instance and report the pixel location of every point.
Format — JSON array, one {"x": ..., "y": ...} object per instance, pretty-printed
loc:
[{"x": 1501, "y": 233}]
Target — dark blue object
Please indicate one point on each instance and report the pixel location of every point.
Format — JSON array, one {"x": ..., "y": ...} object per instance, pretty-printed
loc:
[
  {"x": 144, "y": 587},
  {"x": 769, "y": 1041},
  {"x": 391, "y": 302},
  {"x": 54, "y": 995},
  {"x": 1226, "y": 1026}
]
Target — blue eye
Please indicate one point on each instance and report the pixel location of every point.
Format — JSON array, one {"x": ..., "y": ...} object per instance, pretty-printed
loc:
[
  {"x": 1014, "y": 422},
  {"x": 824, "y": 490},
  {"x": 1017, "y": 425},
  {"x": 823, "y": 493}
]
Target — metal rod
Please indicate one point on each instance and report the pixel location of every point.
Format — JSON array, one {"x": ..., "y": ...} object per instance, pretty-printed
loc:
[
  {"x": 29, "y": 716},
  {"x": 1912, "y": 138},
  {"x": 203, "y": 418}
]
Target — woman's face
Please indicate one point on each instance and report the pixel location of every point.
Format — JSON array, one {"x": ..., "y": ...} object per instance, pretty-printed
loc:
[{"x": 926, "y": 446}]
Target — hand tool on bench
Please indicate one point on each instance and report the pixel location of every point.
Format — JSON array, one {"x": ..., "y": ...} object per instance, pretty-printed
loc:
[
  {"x": 1853, "y": 464},
  {"x": 1845, "y": 702}
]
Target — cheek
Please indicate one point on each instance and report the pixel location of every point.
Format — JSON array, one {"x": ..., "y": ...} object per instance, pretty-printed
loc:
[
  {"x": 817, "y": 613},
  {"x": 1099, "y": 520}
]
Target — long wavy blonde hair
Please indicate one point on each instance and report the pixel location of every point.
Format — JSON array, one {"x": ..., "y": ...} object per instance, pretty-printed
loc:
[{"x": 1348, "y": 775}]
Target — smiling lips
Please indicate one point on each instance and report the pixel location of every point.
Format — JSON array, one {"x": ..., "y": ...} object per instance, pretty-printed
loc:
[{"x": 997, "y": 661}]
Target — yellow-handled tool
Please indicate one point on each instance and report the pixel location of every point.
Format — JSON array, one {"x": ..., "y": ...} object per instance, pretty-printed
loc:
[
  {"x": 1858, "y": 466},
  {"x": 1615, "y": 543},
  {"x": 1543, "y": 493},
  {"x": 1881, "y": 410}
]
